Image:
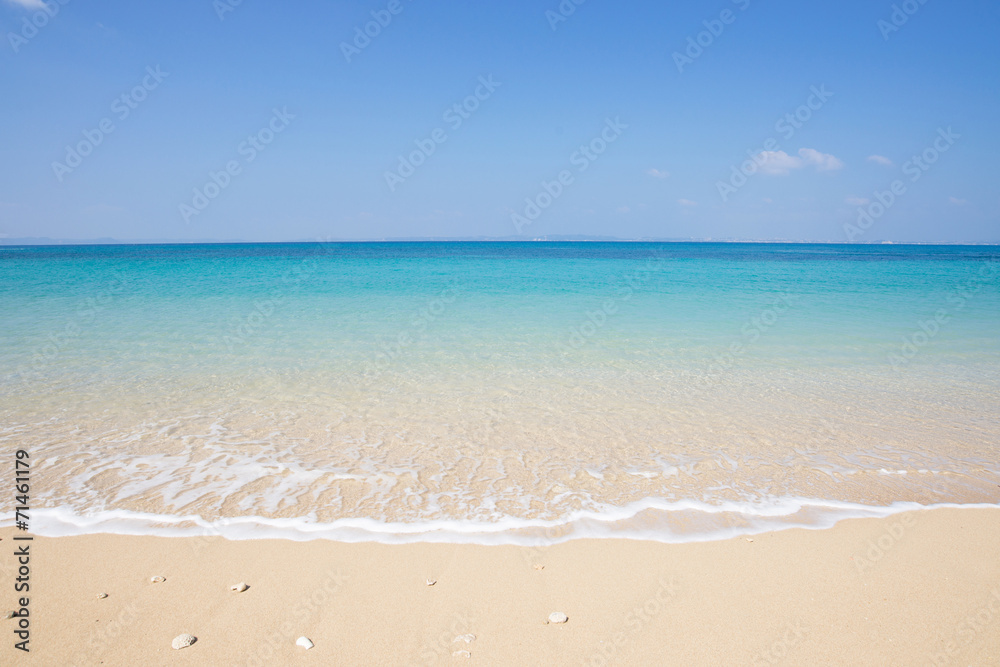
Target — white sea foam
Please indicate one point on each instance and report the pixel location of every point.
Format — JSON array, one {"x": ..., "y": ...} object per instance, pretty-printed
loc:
[{"x": 651, "y": 519}]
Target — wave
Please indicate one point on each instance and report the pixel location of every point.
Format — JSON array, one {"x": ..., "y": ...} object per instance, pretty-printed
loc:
[{"x": 650, "y": 519}]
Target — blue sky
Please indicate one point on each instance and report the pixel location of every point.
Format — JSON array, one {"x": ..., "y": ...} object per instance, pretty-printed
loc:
[{"x": 208, "y": 89}]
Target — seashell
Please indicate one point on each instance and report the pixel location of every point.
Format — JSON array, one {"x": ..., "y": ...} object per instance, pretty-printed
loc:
[
  {"x": 304, "y": 643},
  {"x": 558, "y": 617},
  {"x": 431, "y": 582},
  {"x": 183, "y": 641},
  {"x": 238, "y": 588},
  {"x": 101, "y": 596},
  {"x": 468, "y": 639},
  {"x": 461, "y": 654},
  {"x": 157, "y": 579},
  {"x": 539, "y": 567},
  {"x": 749, "y": 539}
]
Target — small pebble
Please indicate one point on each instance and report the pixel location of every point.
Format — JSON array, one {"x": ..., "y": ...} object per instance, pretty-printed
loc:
[
  {"x": 431, "y": 582},
  {"x": 558, "y": 617},
  {"x": 468, "y": 639},
  {"x": 304, "y": 643},
  {"x": 101, "y": 596},
  {"x": 183, "y": 641},
  {"x": 238, "y": 588},
  {"x": 157, "y": 579},
  {"x": 461, "y": 654},
  {"x": 539, "y": 567}
]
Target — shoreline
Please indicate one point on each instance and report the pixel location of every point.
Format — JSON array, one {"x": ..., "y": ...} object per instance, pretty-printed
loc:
[
  {"x": 651, "y": 520},
  {"x": 917, "y": 588}
]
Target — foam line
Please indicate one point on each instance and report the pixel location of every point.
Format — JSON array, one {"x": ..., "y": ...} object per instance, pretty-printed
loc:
[{"x": 650, "y": 519}]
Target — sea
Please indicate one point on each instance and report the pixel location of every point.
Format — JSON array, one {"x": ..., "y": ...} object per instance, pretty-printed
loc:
[{"x": 496, "y": 393}]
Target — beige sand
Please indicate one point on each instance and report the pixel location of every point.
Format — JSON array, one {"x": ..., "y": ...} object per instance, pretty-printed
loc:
[{"x": 917, "y": 589}]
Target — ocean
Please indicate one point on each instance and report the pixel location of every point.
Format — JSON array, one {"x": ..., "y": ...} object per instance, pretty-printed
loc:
[{"x": 521, "y": 393}]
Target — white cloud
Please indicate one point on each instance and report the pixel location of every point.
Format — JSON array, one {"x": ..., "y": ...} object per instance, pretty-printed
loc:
[
  {"x": 880, "y": 159},
  {"x": 28, "y": 4},
  {"x": 687, "y": 202},
  {"x": 767, "y": 200},
  {"x": 958, "y": 202},
  {"x": 857, "y": 201},
  {"x": 624, "y": 209},
  {"x": 656, "y": 173},
  {"x": 823, "y": 161},
  {"x": 777, "y": 162},
  {"x": 780, "y": 162}
]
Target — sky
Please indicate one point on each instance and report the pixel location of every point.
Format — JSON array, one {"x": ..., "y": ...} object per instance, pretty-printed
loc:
[{"x": 852, "y": 121}]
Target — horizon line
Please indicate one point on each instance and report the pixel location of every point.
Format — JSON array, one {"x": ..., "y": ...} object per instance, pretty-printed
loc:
[{"x": 46, "y": 241}]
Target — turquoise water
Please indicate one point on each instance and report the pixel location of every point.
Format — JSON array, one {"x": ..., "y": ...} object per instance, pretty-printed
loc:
[{"x": 660, "y": 390}]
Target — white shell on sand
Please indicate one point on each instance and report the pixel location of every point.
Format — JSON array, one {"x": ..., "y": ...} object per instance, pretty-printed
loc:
[
  {"x": 101, "y": 596},
  {"x": 183, "y": 641},
  {"x": 431, "y": 582},
  {"x": 461, "y": 654},
  {"x": 749, "y": 539},
  {"x": 157, "y": 579},
  {"x": 468, "y": 639},
  {"x": 539, "y": 567},
  {"x": 558, "y": 617},
  {"x": 304, "y": 643},
  {"x": 238, "y": 588}
]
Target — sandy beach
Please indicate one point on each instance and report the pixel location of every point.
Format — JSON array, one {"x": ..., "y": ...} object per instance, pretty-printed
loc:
[
  {"x": 447, "y": 333},
  {"x": 921, "y": 588}
]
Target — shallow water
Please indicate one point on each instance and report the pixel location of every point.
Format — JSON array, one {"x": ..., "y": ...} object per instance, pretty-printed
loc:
[{"x": 498, "y": 392}]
